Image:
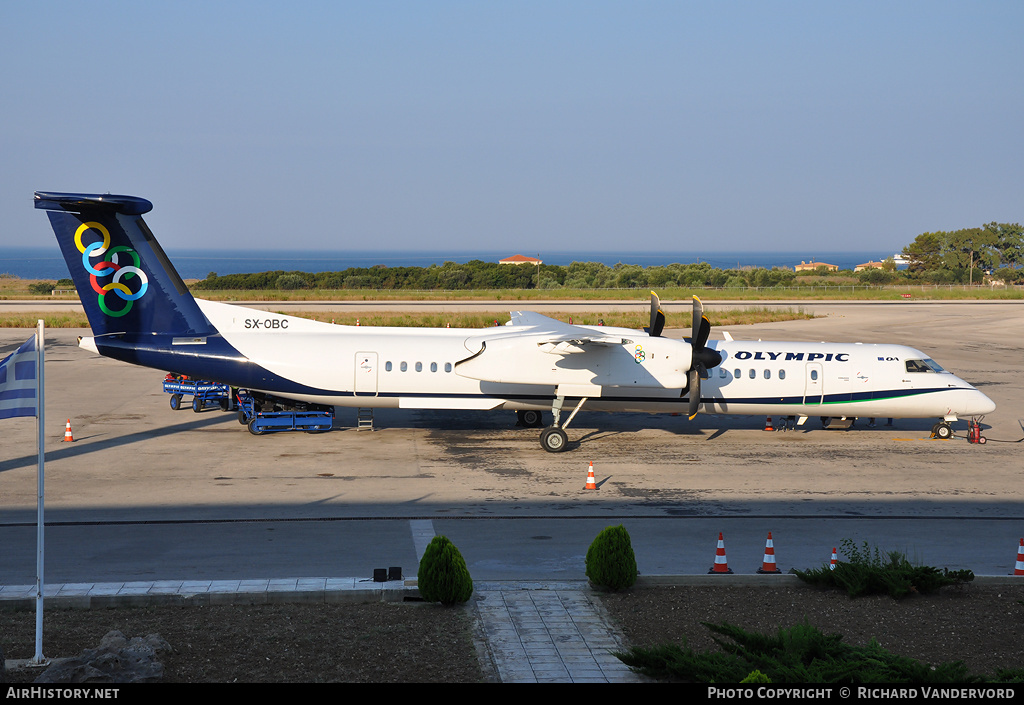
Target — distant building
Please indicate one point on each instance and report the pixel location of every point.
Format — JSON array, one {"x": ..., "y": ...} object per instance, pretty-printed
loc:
[
  {"x": 869, "y": 265},
  {"x": 812, "y": 265},
  {"x": 520, "y": 259}
]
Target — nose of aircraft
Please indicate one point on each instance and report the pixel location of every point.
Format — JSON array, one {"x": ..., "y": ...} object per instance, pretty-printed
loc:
[
  {"x": 974, "y": 403},
  {"x": 980, "y": 404}
]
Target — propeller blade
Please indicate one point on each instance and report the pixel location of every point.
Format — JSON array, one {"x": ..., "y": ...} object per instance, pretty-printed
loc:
[
  {"x": 704, "y": 358},
  {"x": 698, "y": 314},
  {"x": 701, "y": 333},
  {"x": 694, "y": 392},
  {"x": 657, "y": 317}
]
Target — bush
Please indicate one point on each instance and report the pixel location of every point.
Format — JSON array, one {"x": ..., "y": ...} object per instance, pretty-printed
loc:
[
  {"x": 869, "y": 573},
  {"x": 41, "y": 287},
  {"x": 800, "y": 654},
  {"x": 443, "y": 576},
  {"x": 610, "y": 561},
  {"x": 291, "y": 281}
]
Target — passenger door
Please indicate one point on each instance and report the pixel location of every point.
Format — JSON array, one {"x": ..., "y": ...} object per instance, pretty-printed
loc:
[{"x": 366, "y": 374}]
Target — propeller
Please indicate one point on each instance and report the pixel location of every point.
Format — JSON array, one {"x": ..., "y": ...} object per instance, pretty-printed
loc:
[
  {"x": 657, "y": 317},
  {"x": 702, "y": 357}
]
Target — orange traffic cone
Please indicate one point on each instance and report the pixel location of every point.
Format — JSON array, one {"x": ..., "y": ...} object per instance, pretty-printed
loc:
[
  {"x": 832, "y": 565},
  {"x": 721, "y": 565},
  {"x": 1019, "y": 568},
  {"x": 768, "y": 564},
  {"x": 591, "y": 482},
  {"x": 768, "y": 424},
  {"x": 68, "y": 438}
]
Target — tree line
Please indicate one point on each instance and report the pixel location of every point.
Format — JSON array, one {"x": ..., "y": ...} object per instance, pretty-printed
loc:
[{"x": 478, "y": 274}]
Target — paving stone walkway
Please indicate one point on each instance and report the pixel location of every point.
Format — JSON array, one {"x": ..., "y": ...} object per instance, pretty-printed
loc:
[{"x": 548, "y": 634}]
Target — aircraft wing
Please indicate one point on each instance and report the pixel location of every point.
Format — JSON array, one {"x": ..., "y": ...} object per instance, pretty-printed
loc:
[
  {"x": 533, "y": 319},
  {"x": 556, "y": 337}
]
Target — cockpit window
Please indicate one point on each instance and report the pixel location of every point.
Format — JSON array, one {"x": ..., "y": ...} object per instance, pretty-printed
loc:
[{"x": 926, "y": 365}]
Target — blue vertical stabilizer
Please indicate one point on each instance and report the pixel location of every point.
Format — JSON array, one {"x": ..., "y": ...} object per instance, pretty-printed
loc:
[{"x": 126, "y": 283}]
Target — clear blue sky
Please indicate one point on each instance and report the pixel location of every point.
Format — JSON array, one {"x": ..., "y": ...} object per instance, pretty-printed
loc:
[{"x": 520, "y": 126}]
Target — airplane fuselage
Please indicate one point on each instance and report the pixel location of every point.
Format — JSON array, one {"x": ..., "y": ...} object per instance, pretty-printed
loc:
[{"x": 353, "y": 366}]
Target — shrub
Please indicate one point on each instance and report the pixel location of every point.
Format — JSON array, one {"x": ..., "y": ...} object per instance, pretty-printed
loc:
[
  {"x": 291, "y": 281},
  {"x": 869, "y": 573},
  {"x": 800, "y": 654},
  {"x": 443, "y": 576},
  {"x": 610, "y": 561},
  {"x": 41, "y": 287}
]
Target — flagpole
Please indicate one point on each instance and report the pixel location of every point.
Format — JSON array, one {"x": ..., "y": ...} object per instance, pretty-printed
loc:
[{"x": 40, "y": 500}]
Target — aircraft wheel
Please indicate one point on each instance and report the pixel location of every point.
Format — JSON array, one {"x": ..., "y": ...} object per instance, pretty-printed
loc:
[
  {"x": 825, "y": 421},
  {"x": 553, "y": 439},
  {"x": 175, "y": 401},
  {"x": 253, "y": 429},
  {"x": 943, "y": 431},
  {"x": 530, "y": 418}
]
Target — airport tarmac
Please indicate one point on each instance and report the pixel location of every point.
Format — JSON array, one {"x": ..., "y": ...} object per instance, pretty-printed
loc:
[{"x": 147, "y": 493}]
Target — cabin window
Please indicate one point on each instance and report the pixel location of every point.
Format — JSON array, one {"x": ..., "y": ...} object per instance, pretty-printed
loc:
[
  {"x": 737, "y": 374},
  {"x": 722, "y": 373},
  {"x": 419, "y": 366},
  {"x": 814, "y": 374},
  {"x": 753, "y": 373},
  {"x": 433, "y": 367},
  {"x": 767, "y": 374},
  {"x": 404, "y": 366},
  {"x": 387, "y": 366},
  {"x": 782, "y": 374},
  {"x": 447, "y": 367}
]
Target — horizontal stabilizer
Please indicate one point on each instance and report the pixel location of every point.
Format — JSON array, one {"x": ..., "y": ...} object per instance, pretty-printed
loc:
[{"x": 83, "y": 202}]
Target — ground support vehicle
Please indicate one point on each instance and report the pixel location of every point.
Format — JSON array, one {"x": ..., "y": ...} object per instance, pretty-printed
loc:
[
  {"x": 205, "y": 394},
  {"x": 265, "y": 414}
]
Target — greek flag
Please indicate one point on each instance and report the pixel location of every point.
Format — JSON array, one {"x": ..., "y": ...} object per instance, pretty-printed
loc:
[{"x": 18, "y": 382}]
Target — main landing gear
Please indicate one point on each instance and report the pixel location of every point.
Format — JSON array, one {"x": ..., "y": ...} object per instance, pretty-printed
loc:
[
  {"x": 553, "y": 439},
  {"x": 942, "y": 430},
  {"x": 529, "y": 418}
]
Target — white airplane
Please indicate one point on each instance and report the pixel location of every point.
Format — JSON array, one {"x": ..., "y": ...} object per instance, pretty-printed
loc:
[{"x": 141, "y": 312}]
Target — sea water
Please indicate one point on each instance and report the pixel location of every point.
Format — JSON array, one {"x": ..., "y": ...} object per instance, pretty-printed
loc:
[{"x": 47, "y": 262}]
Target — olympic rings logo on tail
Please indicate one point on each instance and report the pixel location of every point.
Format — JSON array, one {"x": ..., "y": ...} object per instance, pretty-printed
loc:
[{"x": 111, "y": 266}]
